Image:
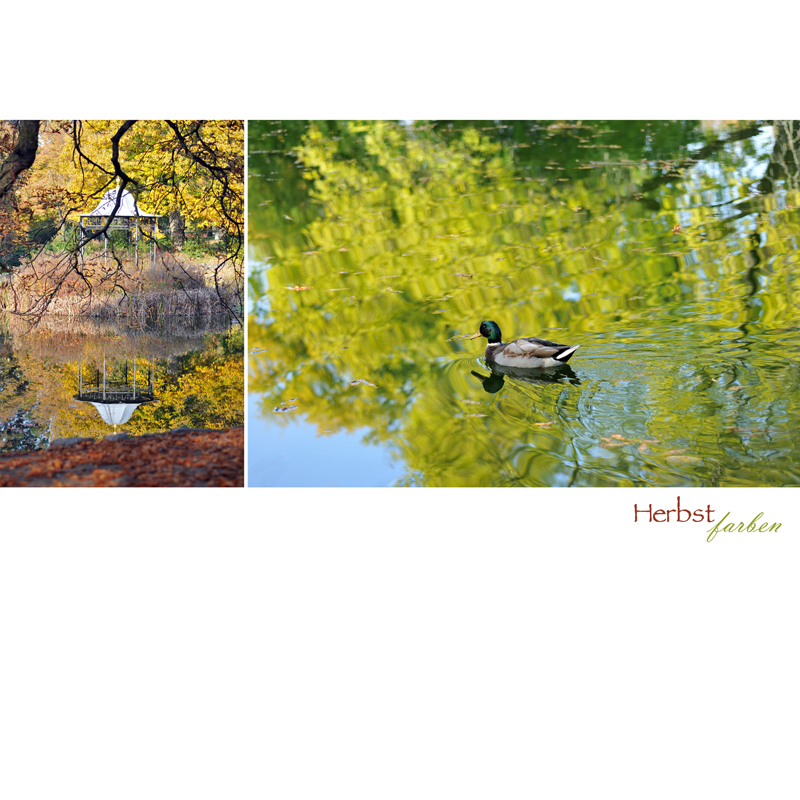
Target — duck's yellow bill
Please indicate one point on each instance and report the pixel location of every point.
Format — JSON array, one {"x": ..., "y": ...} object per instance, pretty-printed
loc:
[{"x": 475, "y": 335}]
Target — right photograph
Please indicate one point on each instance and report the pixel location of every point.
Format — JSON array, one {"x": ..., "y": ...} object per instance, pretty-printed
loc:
[{"x": 544, "y": 303}]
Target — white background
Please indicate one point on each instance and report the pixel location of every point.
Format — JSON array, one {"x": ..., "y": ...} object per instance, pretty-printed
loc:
[{"x": 298, "y": 644}]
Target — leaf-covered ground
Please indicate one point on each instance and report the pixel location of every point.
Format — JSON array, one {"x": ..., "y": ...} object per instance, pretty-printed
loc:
[{"x": 182, "y": 457}]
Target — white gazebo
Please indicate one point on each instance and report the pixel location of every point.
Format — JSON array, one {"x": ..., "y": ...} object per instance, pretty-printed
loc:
[
  {"x": 116, "y": 401},
  {"x": 129, "y": 217}
]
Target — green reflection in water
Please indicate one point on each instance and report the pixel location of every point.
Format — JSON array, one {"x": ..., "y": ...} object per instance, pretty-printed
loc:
[{"x": 667, "y": 250}]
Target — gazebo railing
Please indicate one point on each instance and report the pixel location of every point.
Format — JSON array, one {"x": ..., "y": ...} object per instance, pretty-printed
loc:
[{"x": 116, "y": 395}]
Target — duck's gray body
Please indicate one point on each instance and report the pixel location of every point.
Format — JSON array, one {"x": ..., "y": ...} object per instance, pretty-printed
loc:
[{"x": 529, "y": 353}]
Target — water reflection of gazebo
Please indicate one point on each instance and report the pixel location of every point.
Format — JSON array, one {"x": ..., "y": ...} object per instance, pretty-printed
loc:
[
  {"x": 116, "y": 399},
  {"x": 129, "y": 218}
]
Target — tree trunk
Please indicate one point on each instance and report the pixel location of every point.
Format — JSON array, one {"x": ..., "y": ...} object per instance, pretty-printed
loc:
[
  {"x": 18, "y": 160},
  {"x": 177, "y": 229},
  {"x": 22, "y": 156}
]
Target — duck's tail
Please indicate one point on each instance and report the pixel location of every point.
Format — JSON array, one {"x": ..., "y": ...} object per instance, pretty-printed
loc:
[{"x": 566, "y": 355}]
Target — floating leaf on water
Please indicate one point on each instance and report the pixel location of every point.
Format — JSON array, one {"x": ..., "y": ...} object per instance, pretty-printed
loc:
[
  {"x": 464, "y": 274},
  {"x": 477, "y": 415},
  {"x": 643, "y": 447},
  {"x": 620, "y": 436},
  {"x": 684, "y": 459},
  {"x": 361, "y": 380},
  {"x": 437, "y": 312},
  {"x": 343, "y": 289},
  {"x": 472, "y": 402},
  {"x": 543, "y": 424},
  {"x": 674, "y": 452},
  {"x": 262, "y": 350},
  {"x": 342, "y": 249},
  {"x": 386, "y": 277},
  {"x": 734, "y": 388},
  {"x": 286, "y": 216},
  {"x": 310, "y": 252},
  {"x": 285, "y": 408},
  {"x": 298, "y": 288}
]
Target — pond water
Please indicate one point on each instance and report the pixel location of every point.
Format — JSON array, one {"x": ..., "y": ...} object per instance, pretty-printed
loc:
[
  {"x": 189, "y": 371},
  {"x": 667, "y": 250}
]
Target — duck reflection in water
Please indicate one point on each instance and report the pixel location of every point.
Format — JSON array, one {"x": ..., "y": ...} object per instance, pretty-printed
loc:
[{"x": 494, "y": 382}]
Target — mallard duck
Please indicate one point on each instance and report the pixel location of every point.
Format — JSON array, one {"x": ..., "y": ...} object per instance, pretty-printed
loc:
[{"x": 528, "y": 353}]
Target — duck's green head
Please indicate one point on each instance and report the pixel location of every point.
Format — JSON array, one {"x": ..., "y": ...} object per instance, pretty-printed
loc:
[{"x": 491, "y": 330}]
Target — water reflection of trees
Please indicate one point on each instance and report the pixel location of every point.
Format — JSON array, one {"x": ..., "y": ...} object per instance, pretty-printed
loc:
[
  {"x": 409, "y": 235},
  {"x": 199, "y": 382}
]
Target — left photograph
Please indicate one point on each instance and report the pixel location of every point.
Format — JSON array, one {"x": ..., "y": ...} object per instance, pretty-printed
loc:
[{"x": 121, "y": 303}]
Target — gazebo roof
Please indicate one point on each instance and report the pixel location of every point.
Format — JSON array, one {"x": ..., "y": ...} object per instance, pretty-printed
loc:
[
  {"x": 116, "y": 413},
  {"x": 127, "y": 207}
]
